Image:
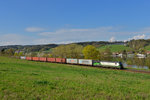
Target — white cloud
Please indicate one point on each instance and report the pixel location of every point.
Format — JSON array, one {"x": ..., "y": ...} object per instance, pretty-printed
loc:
[
  {"x": 70, "y": 35},
  {"x": 34, "y": 29},
  {"x": 93, "y": 34},
  {"x": 77, "y": 35},
  {"x": 77, "y": 31},
  {"x": 138, "y": 37},
  {"x": 14, "y": 39},
  {"x": 112, "y": 39}
]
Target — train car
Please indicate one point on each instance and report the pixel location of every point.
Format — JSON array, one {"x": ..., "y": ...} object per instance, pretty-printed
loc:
[
  {"x": 35, "y": 58},
  {"x": 43, "y": 59},
  {"x": 28, "y": 58},
  {"x": 71, "y": 61},
  {"x": 85, "y": 62},
  {"x": 22, "y": 57},
  {"x": 61, "y": 60},
  {"x": 108, "y": 64},
  {"x": 51, "y": 59},
  {"x": 58, "y": 60}
]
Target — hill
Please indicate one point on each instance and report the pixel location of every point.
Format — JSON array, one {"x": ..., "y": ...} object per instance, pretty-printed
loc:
[
  {"x": 22, "y": 79},
  {"x": 30, "y": 48},
  {"x": 47, "y": 47},
  {"x": 147, "y": 48},
  {"x": 114, "y": 48}
]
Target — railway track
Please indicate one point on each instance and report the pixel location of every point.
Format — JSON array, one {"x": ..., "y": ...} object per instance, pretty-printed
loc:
[
  {"x": 125, "y": 69},
  {"x": 137, "y": 71},
  {"x": 132, "y": 70}
]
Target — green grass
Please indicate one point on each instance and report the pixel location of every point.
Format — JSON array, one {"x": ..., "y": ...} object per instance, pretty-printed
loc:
[
  {"x": 27, "y": 80},
  {"x": 147, "y": 48},
  {"x": 141, "y": 69},
  {"x": 114, "y": 48}
]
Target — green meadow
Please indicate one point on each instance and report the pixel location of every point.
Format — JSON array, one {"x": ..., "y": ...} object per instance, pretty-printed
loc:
[
  {"x": 147, "y": 48},
  {"x": 114, "y": 48},
  {"x": 28, "y": 80}
]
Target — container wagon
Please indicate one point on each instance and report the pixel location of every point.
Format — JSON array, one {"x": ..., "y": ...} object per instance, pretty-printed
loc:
[
  {"x": 44, "y": 59},
  {"x": 35, "y": 58},
  {"x": 22, "y": 57},
  {"x": 51, "y": 60},
  {"x": 28, "y": 58},
  {"x": 71, "y": 61},
  {"x": 85, "y": 62},
  {"x": 61, "y": 60}
]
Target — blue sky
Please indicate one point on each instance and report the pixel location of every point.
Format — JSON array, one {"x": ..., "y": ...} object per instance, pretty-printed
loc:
[{"x": 64, "y": 21}]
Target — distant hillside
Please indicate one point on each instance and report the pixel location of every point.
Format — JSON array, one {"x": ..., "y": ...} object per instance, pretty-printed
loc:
[
  {"x": 117, "y": 46},
  {"x": 37, "y": 48},
  {"x": 30, "y": 48},
  {"x": 100, "y": 43},
  {"x": 147, "y": 48},
  {"x": 114, "y": 48}
]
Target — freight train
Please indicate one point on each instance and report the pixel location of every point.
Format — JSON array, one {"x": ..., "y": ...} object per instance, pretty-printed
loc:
[{"x": 88, "y": 62}]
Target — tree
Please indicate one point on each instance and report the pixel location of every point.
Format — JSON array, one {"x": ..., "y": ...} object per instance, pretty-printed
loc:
[
  {"x": 124, "y": 52},
  {"x": 50, "y": 55},
  {"x": 90, "y": 52},
  {"x": 2, "y": 52},
  {"x": 33, "y": 54},
  {"x": 74, "y": 51},
  {"x": 68, "y": 51},
  {"x": 137, "y": 44},
  {"x": 45, "y": 55},
  {"x": 10, "y": 52},
  {"x": 20, "y": 53},
  {"x": 59, "y": 51},
  {"x": 16, "y": 54},
  {"x": 108, "y": 54}
]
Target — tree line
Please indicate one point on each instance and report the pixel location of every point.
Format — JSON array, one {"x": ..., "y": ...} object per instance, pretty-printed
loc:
[{"x": 65, "y": 51}]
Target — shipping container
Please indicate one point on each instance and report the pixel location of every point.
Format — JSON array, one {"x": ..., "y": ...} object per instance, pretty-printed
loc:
[
  {"x": 61, "y": 60},
  {"x": 42, "y": 59},
  {"x": 85, "y": 62},
  {"x": 28, "y": 58},
  {"x": 35, "y": 58},
  {"x": 51, "y": 59},
  {"x": 22, "y": 57},
  {"x": 72, "y": 61},
  {"x": 58, "y": 60}
]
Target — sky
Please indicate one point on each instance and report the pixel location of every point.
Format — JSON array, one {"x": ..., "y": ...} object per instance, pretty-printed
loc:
[{"x": 31, "y": 22}]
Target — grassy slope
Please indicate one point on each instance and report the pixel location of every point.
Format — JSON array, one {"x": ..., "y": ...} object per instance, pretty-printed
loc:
[
  {"x": 114, "y": 48},
  {"x": 147, "y": 48},
  {"x": 29, "y": 80}
]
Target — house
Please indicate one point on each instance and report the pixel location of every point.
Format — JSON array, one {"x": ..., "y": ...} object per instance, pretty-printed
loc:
[
  {"x": 147, "y": 52},
  {"x": 141, "y": 55},
  {"x": 130, "y": 55}
]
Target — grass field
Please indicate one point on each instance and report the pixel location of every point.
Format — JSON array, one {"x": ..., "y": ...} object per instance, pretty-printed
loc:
[
  {"x": 27, "y": 80},
  {"x": 147, "y": 48},
  {"x": 114, "y": 48}
]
